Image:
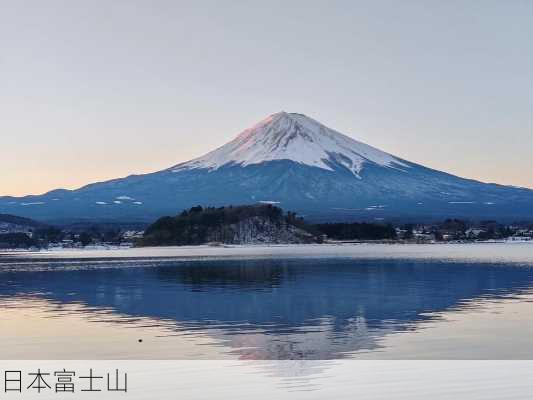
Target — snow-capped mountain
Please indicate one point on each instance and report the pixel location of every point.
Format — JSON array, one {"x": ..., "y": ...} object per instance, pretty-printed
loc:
[
  {"x": 298, "y": 138},
  {"x": 293, "y": 161}
]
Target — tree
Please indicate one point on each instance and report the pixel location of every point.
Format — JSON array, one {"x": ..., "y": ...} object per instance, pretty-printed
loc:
[
  {"x": 408, "y": 232},
  {"x": 85, "y": 239}
]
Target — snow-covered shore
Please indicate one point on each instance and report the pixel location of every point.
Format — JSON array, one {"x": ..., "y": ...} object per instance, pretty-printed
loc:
[{"x": 485, "y": 252}]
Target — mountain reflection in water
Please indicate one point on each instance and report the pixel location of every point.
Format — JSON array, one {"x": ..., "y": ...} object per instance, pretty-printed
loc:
[{"x": 274, "y": 309}]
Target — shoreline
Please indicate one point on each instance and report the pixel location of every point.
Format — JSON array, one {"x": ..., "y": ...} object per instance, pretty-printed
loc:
[
  {"x": 111, "y": 247},
  {"x": 515, "y": 252}
]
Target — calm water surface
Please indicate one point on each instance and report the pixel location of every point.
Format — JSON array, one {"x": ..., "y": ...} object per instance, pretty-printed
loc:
[{"x": 474, "y": 301}]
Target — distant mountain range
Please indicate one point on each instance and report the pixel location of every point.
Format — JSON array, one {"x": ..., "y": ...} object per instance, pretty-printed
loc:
[{"x": 292, "y": 161}]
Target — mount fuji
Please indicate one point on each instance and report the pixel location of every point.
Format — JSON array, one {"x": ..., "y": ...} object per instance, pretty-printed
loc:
[{"x": 295, "y": 162}]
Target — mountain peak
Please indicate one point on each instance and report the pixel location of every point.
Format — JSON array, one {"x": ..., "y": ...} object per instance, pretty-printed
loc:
[{"x": 298, "y": 138}]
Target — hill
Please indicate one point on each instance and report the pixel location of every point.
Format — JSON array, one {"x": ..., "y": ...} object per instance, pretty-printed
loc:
[
  {"x": 20, "y": 232},
  {"x": 230, "y": 225},
  {"x": 19, "y": 221}
]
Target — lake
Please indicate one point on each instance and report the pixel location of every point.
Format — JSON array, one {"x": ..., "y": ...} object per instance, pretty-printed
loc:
[{"x": 316, "y": 302}]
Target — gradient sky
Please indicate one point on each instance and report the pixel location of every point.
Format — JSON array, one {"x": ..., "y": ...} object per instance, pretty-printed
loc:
[{"x": 93, "y": 90}]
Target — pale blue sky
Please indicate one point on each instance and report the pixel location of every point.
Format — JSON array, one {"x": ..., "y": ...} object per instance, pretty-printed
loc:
[{"x": 92, "y": 90}]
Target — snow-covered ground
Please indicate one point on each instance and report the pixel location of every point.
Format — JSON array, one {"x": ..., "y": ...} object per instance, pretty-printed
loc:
[{"x": 520, "y": 252}]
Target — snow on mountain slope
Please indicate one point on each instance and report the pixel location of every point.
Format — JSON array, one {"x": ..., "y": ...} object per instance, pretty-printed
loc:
[{"x": 295, "y": 137}]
